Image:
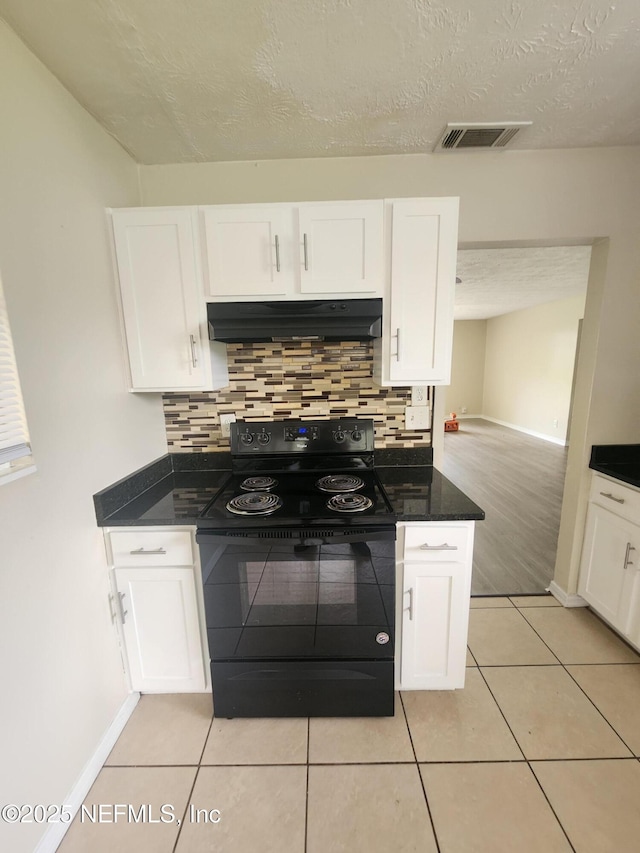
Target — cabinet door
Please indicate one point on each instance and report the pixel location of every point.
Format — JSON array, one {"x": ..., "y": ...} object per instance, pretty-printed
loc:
[
  {"x": 423, "y": 271},
  {"x": 163, "y": 307},
  {"x": 341, "y": 248},
  {"x": 434, "y": 625},
  {"x": 609, "y": 566},
  {"x": 161, "y": 629},
  {"x": 249, "y": 251}
]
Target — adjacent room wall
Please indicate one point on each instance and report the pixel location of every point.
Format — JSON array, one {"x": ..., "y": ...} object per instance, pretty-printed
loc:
[
  {"x": 529, "y": 367},
  {"x": 467, "y": 368},
  {"x": 62, "y": 680},
  {"x": 549, "y": 197}
]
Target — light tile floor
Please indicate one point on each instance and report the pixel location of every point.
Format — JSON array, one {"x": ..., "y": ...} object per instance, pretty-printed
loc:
[{"x": 538, "y": 754}]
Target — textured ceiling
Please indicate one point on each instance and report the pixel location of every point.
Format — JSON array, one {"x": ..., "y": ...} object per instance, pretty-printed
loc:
[
  {"x": 498, "y": 281},
  {"x": 197, "y": 80}
]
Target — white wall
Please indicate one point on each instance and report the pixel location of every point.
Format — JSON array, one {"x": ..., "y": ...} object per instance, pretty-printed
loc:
[
  {"x": 507, "y": 197},
  {"x": 61, "y": 674},
  {"x": 467, "y": 368},
  {"x": 529, "y": 363}
]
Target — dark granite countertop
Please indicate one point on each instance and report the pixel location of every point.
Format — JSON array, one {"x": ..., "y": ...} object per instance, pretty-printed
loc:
[
  {"x": 621, "y": 461},
  {"x": 171, "y": 490},
  {"x": 422, "y": 493},
  {"x": 175, "y": 489}
]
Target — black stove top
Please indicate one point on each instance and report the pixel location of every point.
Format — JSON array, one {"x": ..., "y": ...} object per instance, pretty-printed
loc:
[{"x": 300, "y": 474}]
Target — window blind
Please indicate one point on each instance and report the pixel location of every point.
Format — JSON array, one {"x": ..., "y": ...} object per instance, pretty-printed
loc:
[{"x": 14, "y": 435}]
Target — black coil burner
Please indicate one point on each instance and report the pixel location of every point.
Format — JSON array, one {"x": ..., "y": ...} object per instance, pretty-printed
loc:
[
  {"x": 351, "y": 502},
  {"x": 258, "y": 484},
  {"x": 254, "y": 503},
  {"x": 338, "y": 483}
]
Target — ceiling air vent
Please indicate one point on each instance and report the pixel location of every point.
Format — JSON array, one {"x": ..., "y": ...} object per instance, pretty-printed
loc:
[{"x": 484, "y": 135}]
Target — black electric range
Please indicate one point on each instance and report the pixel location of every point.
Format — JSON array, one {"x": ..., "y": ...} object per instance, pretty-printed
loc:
[{"x": 298, "y": 559}]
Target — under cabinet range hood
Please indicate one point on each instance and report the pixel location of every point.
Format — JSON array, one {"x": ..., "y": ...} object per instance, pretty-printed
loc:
[{"x": 299, "y": 320}]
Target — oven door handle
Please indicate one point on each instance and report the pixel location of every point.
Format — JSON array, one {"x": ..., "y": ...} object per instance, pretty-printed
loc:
[{"x": 305, "y": 538}]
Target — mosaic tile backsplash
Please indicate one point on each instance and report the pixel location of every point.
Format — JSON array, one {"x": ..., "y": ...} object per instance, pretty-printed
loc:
[{"x": 275, "y": 381}]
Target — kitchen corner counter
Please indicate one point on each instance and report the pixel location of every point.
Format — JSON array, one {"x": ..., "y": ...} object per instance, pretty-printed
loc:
[
  {"x": 173, "y": 489},
  {"x": 621, "y": 461},
  {"x": 422, "y": 493},
  {"x": 418, "y": 491}
]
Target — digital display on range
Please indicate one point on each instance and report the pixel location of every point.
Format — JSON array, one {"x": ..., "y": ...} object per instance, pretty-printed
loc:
[{"x": 304, "y": 432}]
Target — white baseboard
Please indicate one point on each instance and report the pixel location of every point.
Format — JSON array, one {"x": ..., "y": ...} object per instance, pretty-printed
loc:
[
  {"x": 561, "y": 441},
  {"x": 566, "y": 599},
  {"x": 53, "y": 836}
]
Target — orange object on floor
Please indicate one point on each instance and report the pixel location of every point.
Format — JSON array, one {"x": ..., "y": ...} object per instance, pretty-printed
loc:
[{"x": 452, "y": 424}]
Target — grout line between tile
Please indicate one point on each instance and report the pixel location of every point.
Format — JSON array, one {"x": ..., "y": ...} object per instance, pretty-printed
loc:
[
  {"x": 417, "y": 765},
  {"x": 517, "y": 742},
  {"x": 553, "y": 811},
  {"x": 611, "y": 726},
  {"x": 186, "y": 808},
  {"x": 306, "y": 799}
]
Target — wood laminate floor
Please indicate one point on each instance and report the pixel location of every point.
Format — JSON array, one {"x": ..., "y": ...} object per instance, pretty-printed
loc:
[{"x": 518, "y": 481}]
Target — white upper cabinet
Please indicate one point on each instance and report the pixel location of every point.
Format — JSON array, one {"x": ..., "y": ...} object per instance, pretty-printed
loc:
[
  {"x": 415, "y": 348},
  {"x": 341, "y": 248},
  {"x": 163, "y": 306},
  {"x": 249, "y": 251},
  {"x": 275, "y": 251}
]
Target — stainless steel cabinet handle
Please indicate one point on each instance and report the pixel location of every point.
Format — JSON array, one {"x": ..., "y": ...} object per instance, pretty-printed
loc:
[
  {"x": 410, "y": 607},
  {"x": 150, "y": 551},
  {"x": 123, "y": 612},
  {"x": 114, "y": 615},
  {"x": 194, "y": 357},
  {"x": 397, "y": 336},
  {"x": 277, "y": 253},
  {"x": 627, "y": 561},
  {"x": 443, "y": 547},
  {"x": 612, "y": 497},
  {"x": 306, "y": 251}
]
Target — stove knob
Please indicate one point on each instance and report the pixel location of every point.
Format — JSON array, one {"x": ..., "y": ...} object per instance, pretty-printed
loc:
[
  {"x": 264, "y": 438},
  {"x": 339, "y": 436},
  {"x": 356, "y": 435},
  {"x": 246, "y": 438}
]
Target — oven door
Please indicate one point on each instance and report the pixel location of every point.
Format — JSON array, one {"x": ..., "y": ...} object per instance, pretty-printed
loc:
[{"x": 296, "y": 628}]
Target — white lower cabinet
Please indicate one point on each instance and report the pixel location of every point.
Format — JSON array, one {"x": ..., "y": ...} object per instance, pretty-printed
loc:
[
  {"x": 434, "y": 576},
  {"x": 158, "y": 606},
  {"x": 610, "y": 562}
]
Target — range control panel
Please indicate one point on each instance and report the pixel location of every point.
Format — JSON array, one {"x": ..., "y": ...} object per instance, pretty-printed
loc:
[{"x": 343, "y": 435}]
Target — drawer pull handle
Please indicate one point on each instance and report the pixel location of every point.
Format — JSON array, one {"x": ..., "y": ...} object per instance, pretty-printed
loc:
[
  {"x": 139, "y": 551},
  {"x": 409, "y": 592},
  {"x": 612, "y": 497},
  {"x": 443, "y": 547},
  {"x": 627, "y": 561}
]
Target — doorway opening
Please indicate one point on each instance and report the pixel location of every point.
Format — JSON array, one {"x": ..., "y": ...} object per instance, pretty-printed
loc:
[{"x": 518, "y": 312}]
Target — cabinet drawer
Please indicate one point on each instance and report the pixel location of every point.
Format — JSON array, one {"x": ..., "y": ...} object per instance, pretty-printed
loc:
[
  {"x": 435, "y": 542},
  {"x": 622, "y": 500},
  {"x": 151, "y": 548}
]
